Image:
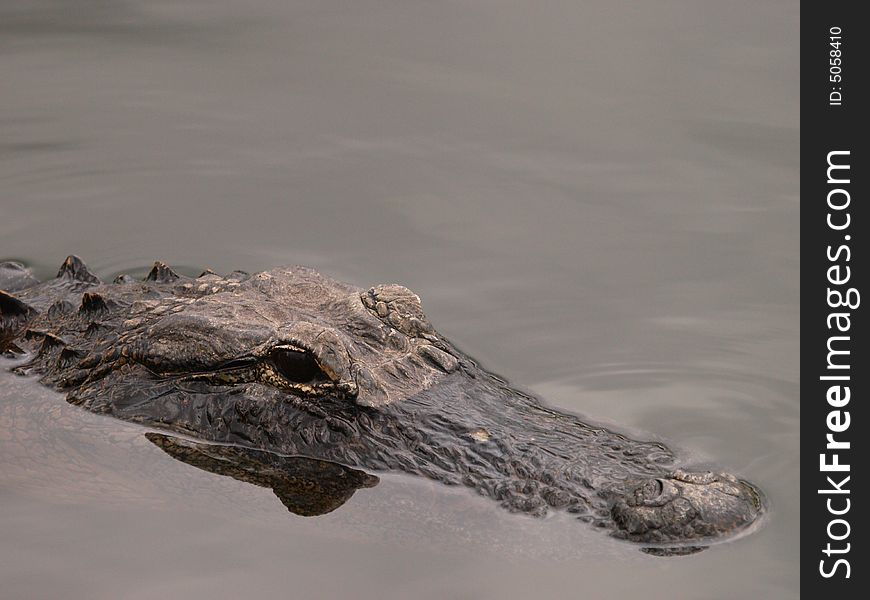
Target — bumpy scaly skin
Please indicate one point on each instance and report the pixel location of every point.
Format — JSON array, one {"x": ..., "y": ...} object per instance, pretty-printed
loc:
[{"x": 293, "y": 362}]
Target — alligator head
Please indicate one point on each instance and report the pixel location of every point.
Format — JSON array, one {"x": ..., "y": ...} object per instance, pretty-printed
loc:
[{"x": 293, "y": 362}]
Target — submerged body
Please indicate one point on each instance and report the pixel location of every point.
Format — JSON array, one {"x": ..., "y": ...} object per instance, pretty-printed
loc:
[{"x": 294, "y": 363}]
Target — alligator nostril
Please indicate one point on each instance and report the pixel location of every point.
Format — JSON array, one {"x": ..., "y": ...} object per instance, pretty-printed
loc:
[{"x": 651, "y": 490}]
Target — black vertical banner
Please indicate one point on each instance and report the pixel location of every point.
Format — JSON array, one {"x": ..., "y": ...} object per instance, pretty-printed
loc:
[{"x": 835, "y": 223}]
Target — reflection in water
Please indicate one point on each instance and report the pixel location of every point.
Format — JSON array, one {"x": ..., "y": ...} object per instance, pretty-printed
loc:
[{"x": 306, "y": 486}]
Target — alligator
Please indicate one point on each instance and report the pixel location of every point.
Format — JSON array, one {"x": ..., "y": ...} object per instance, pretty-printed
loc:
[{"x": 288, "y": 377}]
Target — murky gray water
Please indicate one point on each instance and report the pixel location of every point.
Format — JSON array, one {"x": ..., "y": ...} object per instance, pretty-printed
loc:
[{"x": 597, "y": 199}]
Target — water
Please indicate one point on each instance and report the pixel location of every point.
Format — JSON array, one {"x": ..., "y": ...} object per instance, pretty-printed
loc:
[{"x": 598, "y": 200}]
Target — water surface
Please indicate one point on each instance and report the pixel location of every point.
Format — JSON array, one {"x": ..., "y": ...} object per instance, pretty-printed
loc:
[{"x": 597, "y": 199}]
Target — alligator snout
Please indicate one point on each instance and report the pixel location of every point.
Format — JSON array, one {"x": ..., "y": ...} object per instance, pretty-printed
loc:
[{"x": 685, "y": 508}]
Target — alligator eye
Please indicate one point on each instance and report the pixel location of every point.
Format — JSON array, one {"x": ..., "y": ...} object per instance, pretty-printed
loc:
[{"x": 296, "y": 365}]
